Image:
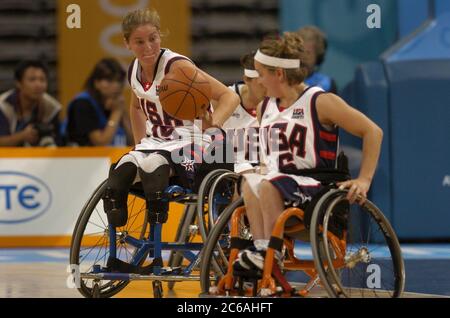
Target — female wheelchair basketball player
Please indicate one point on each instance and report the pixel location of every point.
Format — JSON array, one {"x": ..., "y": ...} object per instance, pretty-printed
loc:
[
  {"x": 294, "y": 196},
  {"x": 153, "y": 129},
  {"x": 307, "y": 120}
]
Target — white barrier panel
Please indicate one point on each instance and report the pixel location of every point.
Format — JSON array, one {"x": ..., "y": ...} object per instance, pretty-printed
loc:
[{"x": 44, "y": 196}]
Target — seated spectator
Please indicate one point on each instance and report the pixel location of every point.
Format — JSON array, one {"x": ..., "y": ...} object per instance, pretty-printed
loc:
[
  {"x": 28, "y": 115},
  {"x": 98, "y": 116},
  {"x": 315, "y": 42}
]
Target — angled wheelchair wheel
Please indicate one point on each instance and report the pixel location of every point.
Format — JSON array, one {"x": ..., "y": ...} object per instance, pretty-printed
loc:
[
  {"x": 203, "y": 201},
  {"x": 220, "y": 195},
  {"x": 214, "y": 261},
  {"x": 363, "y": 258},
  {"x": 90, "y": 241}
]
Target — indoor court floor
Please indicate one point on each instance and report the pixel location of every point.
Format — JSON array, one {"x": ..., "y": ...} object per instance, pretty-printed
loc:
[{"x": 42, "y": 273}]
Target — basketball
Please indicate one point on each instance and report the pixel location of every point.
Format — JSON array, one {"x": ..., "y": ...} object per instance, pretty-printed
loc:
[{"x": 185, "y": 93}]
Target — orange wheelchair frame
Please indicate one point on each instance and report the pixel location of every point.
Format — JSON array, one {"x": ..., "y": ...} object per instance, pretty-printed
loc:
[{"x": 315, "y": 269}]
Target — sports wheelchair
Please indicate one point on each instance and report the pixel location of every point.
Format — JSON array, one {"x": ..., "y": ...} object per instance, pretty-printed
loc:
[
  {"x": 106, "y": 258},
  {"x": 355, "y": 252}
]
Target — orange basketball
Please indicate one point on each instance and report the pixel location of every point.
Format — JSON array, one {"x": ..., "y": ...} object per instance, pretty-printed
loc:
[{"x": 185, "y": 93}]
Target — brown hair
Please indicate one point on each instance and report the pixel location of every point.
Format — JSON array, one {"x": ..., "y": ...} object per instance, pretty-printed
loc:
[
  {"x": 137, "y": 18},
  {"x": 248, "y": 60},
  {"x": 314, "y": 35},
  {"x": 289, "y": 46}
]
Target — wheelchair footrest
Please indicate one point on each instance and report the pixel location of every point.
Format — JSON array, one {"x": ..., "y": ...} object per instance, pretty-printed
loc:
[{"x": 115, "y": 265}]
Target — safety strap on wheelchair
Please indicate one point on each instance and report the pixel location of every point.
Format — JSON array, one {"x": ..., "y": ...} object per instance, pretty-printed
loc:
[
  {"x": 158, "y": 208},
  {"x": 117, "y": 265},
  {"x": 240, "y": 243},
  {"x": 276, "y": 243}
]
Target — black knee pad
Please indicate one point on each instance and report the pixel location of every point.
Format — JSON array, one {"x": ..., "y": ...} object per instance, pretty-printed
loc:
[
  {"x": 121, "y": 178},
  {"x": 116, "y": 193},
  {"x": 154, "y": 184}
]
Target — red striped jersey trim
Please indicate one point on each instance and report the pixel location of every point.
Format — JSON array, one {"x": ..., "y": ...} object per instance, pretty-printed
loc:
[
  {"x": 327, "y": 155},
  {"x": 327, "y": 136}
]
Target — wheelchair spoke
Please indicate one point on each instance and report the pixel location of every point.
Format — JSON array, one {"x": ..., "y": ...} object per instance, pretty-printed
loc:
[
  {"x": 95, "y": 233},
  {"x": 120, "y": 252},
  {"x": 98, "y": 253},
  {"x": 101, "y": 227},
  {"x": 95, "y": 260},
  {"x": 136, "y": 213},
  {"x": 134, "y": 220},
  {"x": 132, "y": 203},
  {"x": 91, "y": 248},
  {"x": 104, "y": 256},
  {"x": 101, "y": 219},
  {"x": 385, "y": 266},
  {"x": 134, "y": 216},
  {"x": 105, "y": 246},
  {"x": 128, "y": 254}
]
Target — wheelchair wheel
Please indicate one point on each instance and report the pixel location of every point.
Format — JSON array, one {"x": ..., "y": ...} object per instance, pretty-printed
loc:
[
  {"x": 90, "y": 241},
  {"x": 214, "y": 258},
  {"x": 220, "y": 194},
  {"x": 365, "y": 258},
  {"x": 217, "y": 188}
]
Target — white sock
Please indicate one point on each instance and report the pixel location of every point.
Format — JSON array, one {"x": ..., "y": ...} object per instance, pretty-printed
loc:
[{"x": 261, "y": 245}]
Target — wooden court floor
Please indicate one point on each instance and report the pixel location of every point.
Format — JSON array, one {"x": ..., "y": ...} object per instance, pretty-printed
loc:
[{"x": 49, "y": 280}]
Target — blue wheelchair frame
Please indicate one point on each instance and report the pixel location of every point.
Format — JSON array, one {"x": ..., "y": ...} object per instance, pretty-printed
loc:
[{"x": 153, "y": 245}]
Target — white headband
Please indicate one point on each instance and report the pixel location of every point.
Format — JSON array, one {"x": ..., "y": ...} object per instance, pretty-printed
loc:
[
  {"x": 276, "y": 61},
  {"x": 251, "y": 73}
]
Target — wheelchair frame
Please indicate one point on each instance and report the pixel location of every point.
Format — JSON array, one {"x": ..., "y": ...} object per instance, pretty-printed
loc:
[
  {"x": 152, "y": 245},
  {"x": 318, "y": 269}
]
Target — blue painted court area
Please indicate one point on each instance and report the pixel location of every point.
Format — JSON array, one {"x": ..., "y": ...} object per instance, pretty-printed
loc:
[{"x": 427, "y": 265}]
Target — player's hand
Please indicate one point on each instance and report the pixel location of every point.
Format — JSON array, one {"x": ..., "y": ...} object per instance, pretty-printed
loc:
[
  {"x": 207, "y": 120},
  {"x": 356, "y": 187},
  {"x": 30, "y": 134}
]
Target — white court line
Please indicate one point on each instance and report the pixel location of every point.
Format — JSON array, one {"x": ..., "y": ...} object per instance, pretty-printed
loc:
[{"x": 55, "y": 254}]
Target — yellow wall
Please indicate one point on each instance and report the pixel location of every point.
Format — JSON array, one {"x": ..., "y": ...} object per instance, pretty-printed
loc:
[{"x": 80, "y": 49}]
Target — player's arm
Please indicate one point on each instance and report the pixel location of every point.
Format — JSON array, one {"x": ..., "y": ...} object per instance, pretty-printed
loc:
[
  {"x": 138, "y": 120},
  {"x": 225, "y": 100},
  {"x": 332, "y": 110}
]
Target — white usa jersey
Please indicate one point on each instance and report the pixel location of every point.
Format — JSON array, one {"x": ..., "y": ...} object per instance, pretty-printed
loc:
[
  {"x": 293, "y": 138},
  {"x": 241, "y": 117},
  {"x": 161, "y": 128},
  {"x": 241, "y": 124}
]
